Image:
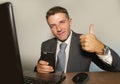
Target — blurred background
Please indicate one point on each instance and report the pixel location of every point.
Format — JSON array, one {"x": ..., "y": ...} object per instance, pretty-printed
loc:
[{"x": 32, "y": 28}]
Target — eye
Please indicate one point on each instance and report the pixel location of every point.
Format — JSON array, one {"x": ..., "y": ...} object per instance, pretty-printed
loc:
[
  {"x": 52, "y": 25},
  {"x": 63, "y": 21}
]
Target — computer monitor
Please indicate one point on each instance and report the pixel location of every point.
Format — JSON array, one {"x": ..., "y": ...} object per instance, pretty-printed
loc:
[{"x": 11, "y": 69}]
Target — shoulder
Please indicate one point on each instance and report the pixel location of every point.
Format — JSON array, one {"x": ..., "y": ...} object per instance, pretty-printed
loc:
[
  {"x": 75, "y": 35},
  {"x": 49, "y": 41},
  {"x": 49, "y": 45}
]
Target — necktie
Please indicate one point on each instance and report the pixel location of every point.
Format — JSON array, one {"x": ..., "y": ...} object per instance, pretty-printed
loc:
[{"x": 61, "y": 57}]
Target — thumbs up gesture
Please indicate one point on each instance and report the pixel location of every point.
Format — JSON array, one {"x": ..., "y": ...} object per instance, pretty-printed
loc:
[{"x": 90, "y": 43}]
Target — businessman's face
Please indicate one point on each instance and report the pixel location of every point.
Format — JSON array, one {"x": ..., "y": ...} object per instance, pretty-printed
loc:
[{"x": 60, "y": 26}]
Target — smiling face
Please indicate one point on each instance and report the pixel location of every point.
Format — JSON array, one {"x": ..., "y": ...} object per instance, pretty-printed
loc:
[{"x": 59, "y": 25}]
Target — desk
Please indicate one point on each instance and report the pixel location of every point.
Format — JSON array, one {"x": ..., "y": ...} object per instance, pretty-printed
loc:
[
  {"x": 97, "y": 78},
  {"x": 94, "y": 77}
]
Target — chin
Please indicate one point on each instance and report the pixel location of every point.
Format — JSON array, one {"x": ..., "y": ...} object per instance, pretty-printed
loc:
[{"x": 62, "y": 40}]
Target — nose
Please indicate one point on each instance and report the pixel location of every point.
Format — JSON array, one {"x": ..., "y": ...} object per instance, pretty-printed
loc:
[{"x": 58, "y": 28}]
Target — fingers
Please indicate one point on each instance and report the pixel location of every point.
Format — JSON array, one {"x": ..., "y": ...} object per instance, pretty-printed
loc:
[
  {"x": 88, "y": 41},
  {"x": 43, "y": 62},
  {"x": 43, "y": 67},
  {"x": 91, "y": 29}
]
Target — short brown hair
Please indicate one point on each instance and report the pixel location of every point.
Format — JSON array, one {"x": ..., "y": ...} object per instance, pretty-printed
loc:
[{"x": 56, "y": 9}]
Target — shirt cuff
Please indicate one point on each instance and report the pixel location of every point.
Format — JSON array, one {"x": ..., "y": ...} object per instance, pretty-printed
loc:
[{"x": 106, "y": 58}]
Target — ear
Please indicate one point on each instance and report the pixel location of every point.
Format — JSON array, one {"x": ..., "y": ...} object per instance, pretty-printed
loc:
[{"x": 70, "y": 21}]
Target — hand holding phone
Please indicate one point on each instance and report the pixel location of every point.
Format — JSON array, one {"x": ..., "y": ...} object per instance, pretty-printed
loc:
[{"x": 49, "y": 57}]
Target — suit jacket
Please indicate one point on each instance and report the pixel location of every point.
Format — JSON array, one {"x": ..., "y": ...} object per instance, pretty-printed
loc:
[{"x": 79, "y": 60}]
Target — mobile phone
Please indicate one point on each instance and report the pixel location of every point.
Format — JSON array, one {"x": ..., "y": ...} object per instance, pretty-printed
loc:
[{"x": 49, "y": 57}]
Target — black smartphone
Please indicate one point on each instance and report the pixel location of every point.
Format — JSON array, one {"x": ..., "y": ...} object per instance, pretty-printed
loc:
[{"x": 49, "y": 57}]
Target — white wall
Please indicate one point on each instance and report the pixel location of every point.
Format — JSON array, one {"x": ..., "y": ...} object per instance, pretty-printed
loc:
[{"x": 32, "y": 28}]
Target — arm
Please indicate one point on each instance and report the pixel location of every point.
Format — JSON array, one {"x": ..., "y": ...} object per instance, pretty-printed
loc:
[{"x": 91, "y": 44}]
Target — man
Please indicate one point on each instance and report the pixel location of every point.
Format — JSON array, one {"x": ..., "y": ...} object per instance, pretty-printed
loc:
[{"x": 81, "y": 48}]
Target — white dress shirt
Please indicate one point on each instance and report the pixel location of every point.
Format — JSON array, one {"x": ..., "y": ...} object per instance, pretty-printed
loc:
[{"x": 106, "y": 58}]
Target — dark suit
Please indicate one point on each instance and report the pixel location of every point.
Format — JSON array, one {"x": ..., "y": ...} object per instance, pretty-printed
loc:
[{"x": 79, "y": 60}]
